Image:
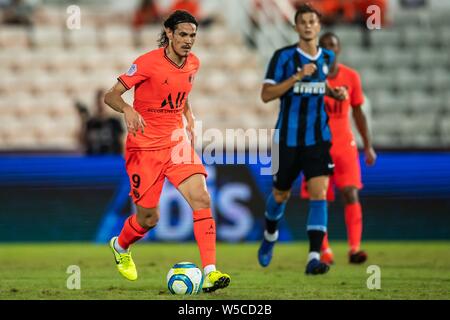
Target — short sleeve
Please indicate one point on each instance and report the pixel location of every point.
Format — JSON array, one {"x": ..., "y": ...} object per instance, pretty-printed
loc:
[
  {"x": 275, "y": 72},
  {"x": 357, "y": 95},
  {"x": 135, "y": 75}
]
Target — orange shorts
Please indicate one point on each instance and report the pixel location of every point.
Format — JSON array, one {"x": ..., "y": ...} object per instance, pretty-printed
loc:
[
  {"x": 347, "y": 171},
  {"x": 147, "y": 170}
]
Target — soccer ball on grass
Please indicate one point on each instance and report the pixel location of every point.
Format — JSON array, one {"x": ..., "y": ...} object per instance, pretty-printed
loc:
[{"x": 185, "y": 278}]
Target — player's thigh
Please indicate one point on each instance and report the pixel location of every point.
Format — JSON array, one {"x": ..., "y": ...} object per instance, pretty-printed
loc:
[
  {"x": 195, "y": 192},
  {"x": 317, "y": 167},
  {"x": 317, "y": 161},
  {"x": 189, "y": 177},
  {"x": 289, "y": 167},
  {"x": 145, "y": 171}
]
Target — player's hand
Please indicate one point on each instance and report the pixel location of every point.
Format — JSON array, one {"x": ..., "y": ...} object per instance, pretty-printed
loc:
[
  {"x": 190, "y": 126},
  {"x": 307, "y": 70},
  {"x": 340, "y": 93},
  {"x": 134, "y": 121},
  {"x": 371, "y": 156}
]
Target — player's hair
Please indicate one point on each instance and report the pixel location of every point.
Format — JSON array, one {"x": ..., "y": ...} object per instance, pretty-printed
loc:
[
  {"x": 329, "y": 34},
  {"x": 306, "y": 8},
  {"x": 178, "y": 16}
]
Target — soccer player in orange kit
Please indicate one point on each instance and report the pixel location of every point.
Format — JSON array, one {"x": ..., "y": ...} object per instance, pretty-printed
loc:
[
  {"x": 162, "y": 79},
  {"x": 344, "y": 152}
]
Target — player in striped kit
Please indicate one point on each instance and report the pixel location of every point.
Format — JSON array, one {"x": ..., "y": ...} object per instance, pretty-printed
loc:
[{"x": 297, "y": 76}]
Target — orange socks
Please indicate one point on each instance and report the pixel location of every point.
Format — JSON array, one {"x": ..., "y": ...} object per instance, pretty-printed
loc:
[
  {"x": 205, "y": 235},
  {"x": 131, "y": 232},
  {"x": 353, "y": 221},
  {"x": 325, "y": 244}
]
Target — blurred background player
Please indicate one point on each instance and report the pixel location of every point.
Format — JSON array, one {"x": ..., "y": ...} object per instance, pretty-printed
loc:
[
  {"x": 193, "y": 7},
  {"x": 101, "y": 134},
  {"x": 344, "y": 151},
  {"x": 163, "y": 79},
  {"x": 297, "y": 75},
  {"x": 148, "y": 12},
  {"x": 18, "y": 12}
]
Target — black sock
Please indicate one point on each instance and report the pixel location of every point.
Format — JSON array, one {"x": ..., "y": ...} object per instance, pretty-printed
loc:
[
  {"x": 271, "y": 226},
  {"x": 315, "y": 240}
]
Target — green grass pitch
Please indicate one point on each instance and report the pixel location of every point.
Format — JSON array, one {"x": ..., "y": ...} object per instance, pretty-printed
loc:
[{"x": 409, "y": 270}]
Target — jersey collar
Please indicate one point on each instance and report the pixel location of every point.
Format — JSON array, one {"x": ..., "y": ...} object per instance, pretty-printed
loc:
[
  {"x": 173, "y": 63},
  {"x": 319, "y": 52}
]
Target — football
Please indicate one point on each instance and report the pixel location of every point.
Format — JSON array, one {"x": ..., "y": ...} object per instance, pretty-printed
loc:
[{"x": 185, "y": 278}]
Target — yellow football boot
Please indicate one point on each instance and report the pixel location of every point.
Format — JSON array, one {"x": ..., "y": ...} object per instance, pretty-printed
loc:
[
  {"x": 215, "y": 280},
  {"x": 124, "y": 262}
]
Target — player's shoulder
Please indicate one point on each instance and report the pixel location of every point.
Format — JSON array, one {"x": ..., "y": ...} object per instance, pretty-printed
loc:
[
  {"x": 151, "y": 56},
  {"x": 288, "y": 49},
  {"x": 193, "y": 58},
  {"x": 285, "y": 51},
  {"x": 348, "y": 71}
]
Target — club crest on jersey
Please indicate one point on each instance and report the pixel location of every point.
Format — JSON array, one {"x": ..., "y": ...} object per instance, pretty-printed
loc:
[
  {"x": 132, "y": 70},
  {"x": 325, "y": 69}
]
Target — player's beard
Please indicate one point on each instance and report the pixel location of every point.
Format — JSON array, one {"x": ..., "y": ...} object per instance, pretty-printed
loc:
[{"x": 181, "y": 55}]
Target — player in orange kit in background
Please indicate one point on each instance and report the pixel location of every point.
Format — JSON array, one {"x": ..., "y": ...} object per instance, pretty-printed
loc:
[
  {"x": 157, "y": 147},
  {"x": 344, "y": 152},
  {"x": 191, "y": 6}
]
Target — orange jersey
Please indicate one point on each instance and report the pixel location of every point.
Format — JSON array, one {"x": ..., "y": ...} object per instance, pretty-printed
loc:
[
  {"x": 338, "y": 111},
  {"x": 160, "y": 94}
]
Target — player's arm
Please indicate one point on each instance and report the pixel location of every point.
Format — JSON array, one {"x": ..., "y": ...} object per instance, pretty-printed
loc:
[
  {"x": 338, "y": 93},
  {"x": 272, "y": 91},
  {"x": 187, "y": 112},
  {"x": 361, "y": 125},
  {"x": 190, "y": 119},
  {"x": 113, "y": 98}
]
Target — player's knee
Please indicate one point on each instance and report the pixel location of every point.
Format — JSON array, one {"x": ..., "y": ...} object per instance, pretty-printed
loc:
[
  {"x": 318, "y": 194},
  {"x": 350, "y": 195},
  {"x": 148, "y": 218},
  {"x": 281, "y": 196},
  {"x": 201, "y": 200}
]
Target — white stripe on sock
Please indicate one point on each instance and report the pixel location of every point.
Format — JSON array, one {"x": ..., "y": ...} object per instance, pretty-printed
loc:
[
  {"x": 271, "y": 236},
  {"x": 209, "y": 268},
  {"x": 118, "y": 247},
  {"x": 313, "y": 255}
]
